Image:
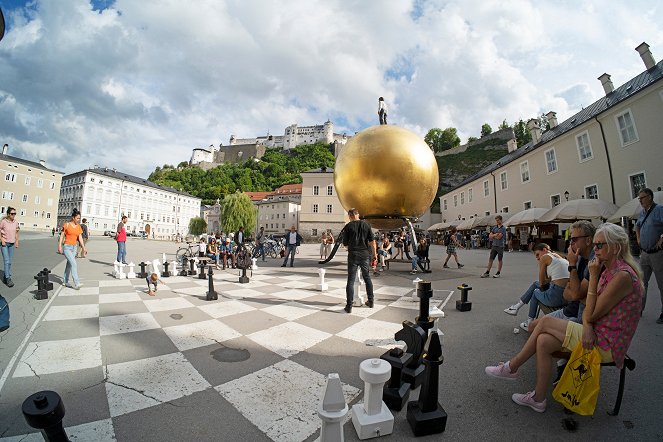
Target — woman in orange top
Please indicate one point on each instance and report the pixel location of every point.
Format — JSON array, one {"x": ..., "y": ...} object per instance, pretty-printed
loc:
[{"x": 72, "y": 233}]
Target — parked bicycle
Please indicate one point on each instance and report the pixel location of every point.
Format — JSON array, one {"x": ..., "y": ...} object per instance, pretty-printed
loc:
[{"x": 189, "y": 251}]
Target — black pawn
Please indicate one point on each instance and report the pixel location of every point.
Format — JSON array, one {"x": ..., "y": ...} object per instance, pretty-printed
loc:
[
  {"x": 143, "y": 273},
  {"x": 396, "y": 392},
  {"x": 201, "y": 273},
  {"x": 192, "y": 267},
  {"x": 44, "y": 411},
  {"x": 243, "y": 279},
  {"x": 426, "y": 416},
  {"x": 184, "y": 262},
  {"x": 47, "y": 284},
  {"x": 415, "y": 339},
  {"x": 424, "y": 292},
  {"x": 165, "y": 273},
  {"x": 211, "y": 294},
  {"x": 42, "y": 293}
]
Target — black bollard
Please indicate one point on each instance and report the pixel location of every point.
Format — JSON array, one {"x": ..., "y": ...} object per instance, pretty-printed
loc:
[
  {"x": 463, "y": 305},
  {"x": 424, "y": 292},
  {"x": 143, "y": 273},
  {"x": 243, "y": 279},
  {"x": 44, "y": 411},
  {"x": 184, "y": 262},
  {"x": 47, "y": 284},
  {"x": 165, "y": 273},
  {"x": 42, "y": 279},
  {"x": 211, "y": 294},
  {"x": 426, "y": 416},
  {"x": 415, "y": 338},
  {"x": 396, "y": 392},
  {"x": 201, "y": 270},
  {"x": 192, "y": 268}
]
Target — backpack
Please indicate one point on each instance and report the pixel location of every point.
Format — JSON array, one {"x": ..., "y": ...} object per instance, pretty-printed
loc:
[
  {"x": 4, "y": 314},
  {"x": 447, "y": 239}
]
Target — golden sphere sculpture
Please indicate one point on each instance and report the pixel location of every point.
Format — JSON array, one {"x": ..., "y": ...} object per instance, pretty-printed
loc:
[{"x": 387, "y": 173}]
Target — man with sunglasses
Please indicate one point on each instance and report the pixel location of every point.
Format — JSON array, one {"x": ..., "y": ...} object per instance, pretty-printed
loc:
[{"x": 649, "y": 233}]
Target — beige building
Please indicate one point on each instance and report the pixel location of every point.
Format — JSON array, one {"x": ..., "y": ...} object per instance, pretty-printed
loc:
[
  {"x": 277, "y": 213},
  {"x": 608, "y": 151},
  {"x": 321, "y": 209},
  {"x": 32, "y": 189}
]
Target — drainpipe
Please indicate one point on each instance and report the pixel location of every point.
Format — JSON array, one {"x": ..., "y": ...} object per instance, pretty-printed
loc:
[
  {"x": 607, "y": 155},
  {"x": 494, "y": 192}
]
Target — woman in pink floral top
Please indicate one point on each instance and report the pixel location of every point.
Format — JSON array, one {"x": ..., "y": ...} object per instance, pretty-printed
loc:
[{"x": 612, "y": 312}]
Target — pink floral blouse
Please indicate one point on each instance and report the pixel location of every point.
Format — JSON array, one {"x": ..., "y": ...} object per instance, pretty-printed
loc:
[{"x": 615, "y": 330}]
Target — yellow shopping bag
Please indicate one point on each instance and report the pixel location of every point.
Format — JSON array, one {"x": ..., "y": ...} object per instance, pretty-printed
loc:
[{"x": 578, "y": 388}]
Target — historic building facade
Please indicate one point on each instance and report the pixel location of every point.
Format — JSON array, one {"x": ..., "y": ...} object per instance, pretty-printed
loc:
[{"x": 321, "y": 209}]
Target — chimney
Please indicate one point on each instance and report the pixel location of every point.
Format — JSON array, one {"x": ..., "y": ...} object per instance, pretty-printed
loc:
[
  {"x": 608, "y": 87},
  {"x": 43, "y": 163},
  {"x": 4, "y": 149},
  {"x": 646, "y": 55},
  {"x": 552, "y": 119},
  {"x": 511, "y": 145},
  {"x": 533, "y": 125}
]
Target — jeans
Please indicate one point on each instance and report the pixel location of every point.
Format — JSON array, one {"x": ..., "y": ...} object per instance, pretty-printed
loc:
[
  {"x": 214, "y": 257},
  {"x": 415, "y": 261},
  {"x": 7, "y": 254},
  {"x": 383, "y": 256},
  {"x": 69, "y": 252},
  {"x": 553, "y": 297},
  {"x": 355, "y": 261},
  {"x": 560, "y": 315},
  {"x": 652, "y": 263},
  {"x": 292, "y": 249},
  {"x": 259, "y": 251},
  {"x": 121, "y": 251}
]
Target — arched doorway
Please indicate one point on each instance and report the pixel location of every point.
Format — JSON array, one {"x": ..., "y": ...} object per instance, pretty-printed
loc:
[{"x": 147, "y": 229}]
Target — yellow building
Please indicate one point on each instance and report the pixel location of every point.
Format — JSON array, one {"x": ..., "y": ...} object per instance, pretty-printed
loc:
[{"x": 321, "y": 209}]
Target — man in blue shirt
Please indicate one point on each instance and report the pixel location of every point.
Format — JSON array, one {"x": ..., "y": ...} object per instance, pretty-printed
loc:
[
  {"x": 497, "y": 236},
  {"x": 649, "y": 232}
]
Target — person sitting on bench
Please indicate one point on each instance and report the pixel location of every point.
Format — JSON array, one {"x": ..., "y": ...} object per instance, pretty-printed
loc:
[
  {"x": 228, "y": 254},
  {"x": 213, "y": 252},
  {"x": 421, "y": 255},
  {"x": 610, "y": 318},
  {"x": 385, "y": 251}
]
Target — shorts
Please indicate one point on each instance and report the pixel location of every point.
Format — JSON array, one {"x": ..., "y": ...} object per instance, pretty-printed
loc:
[
  {"x": 451, "y": 249},
  {"x": 574, "y": 336},
  {"x": 497, "y": 251}
]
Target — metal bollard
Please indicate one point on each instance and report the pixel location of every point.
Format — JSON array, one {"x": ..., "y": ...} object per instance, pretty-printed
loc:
[
  {"x": 44, "y": 411},
  {"x": 463, "y": 305}
]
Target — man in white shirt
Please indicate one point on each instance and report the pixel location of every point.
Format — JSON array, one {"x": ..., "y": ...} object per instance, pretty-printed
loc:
[{"x": 292, "y": 241}]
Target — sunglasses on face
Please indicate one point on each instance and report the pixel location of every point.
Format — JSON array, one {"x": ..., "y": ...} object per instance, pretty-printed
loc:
[
  {"x": 12, "y": 213},
  {"x": 576, "y": 238},
  {"x": 600, "y": 245}
]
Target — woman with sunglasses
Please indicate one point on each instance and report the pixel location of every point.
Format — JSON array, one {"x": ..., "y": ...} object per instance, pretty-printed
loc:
[
  {"x": 612, "y": 312},
  {"x": 72, "y": 234},
  {"x": 9, "y": 236}
]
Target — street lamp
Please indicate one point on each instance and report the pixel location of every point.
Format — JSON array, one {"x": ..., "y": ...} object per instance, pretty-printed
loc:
[{"x": 566, "y": 195}]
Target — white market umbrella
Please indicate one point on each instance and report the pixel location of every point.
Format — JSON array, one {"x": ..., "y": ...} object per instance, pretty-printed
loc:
[
  {"x": 466, "y": 224},
  {"x": 526, "y": 217},
  {"x": 443, "y": 226},
  {"x": 489, "y": 220},
  {"x": 579, "y": 209},
  {"x": 633, "y": 208}
]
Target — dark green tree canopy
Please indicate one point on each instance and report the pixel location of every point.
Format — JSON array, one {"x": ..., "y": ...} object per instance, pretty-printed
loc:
[
  {"x": 197, "y": 226},
  {"x": 486, "y": 129},
  {"x": 440, "y": 140},
  {"x": 522, "y": 134},
  {"x": 504, "y": 125}
]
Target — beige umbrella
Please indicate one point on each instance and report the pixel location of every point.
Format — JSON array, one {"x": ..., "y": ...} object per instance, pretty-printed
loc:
[
  {"x": 467, "y": 224},
  {"x": 489, "y": 220},
  {"x": 579, "y": 209},
  {"x": 633, "y": 208},
  {"x": 526, "y": 217},
  {"x": 443, "y": 226}
]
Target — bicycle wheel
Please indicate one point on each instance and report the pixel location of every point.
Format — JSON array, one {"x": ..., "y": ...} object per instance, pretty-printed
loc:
[
  {"x": 272, "y": 253},
  {"x": 181, "y": 253}
]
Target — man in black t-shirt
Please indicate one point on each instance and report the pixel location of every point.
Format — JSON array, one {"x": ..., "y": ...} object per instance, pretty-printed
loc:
[{"x": 358, "y": 238}]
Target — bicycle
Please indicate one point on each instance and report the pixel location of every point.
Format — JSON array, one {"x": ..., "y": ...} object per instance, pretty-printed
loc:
[{"x": 189, "y": 251}]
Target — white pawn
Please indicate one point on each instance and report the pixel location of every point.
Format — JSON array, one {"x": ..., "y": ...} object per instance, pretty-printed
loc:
[
  {"x": 116, "y": 269},
  {"x": 415, "y": 298},
  {"x": 173, "y": 268},
  {"x": 373, "y": 418},
  {"x": 360, "y": 299},
  {"x": 121, "y": 274},
  {"x": 131, "y": 274},
  {"x": 254, "y": 265},
  {"x": 332, "y": 411},
  {"x": 323, "y": 285},
  {"x": 156, "y": 267}
]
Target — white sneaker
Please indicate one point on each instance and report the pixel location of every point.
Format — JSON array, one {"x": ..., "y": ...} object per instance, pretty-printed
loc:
[
  {"x": 77, "y": 287},
  {"x": 496, "y": 275},
  {"x": 525, "y": 326},
  {"x": 513, "y": 310}
]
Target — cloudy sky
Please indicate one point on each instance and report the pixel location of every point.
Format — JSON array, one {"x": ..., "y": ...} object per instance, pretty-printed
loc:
[{"x": 135, "y": 84}]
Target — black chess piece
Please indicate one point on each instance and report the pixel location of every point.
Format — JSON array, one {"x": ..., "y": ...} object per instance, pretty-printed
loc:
[
  {"x": 414, "y": 337},
  {"x": 211, "y": 294},
  {"x": 396, "y": 392},
  {"x": 192, "y": 267},
  {"x": 201, "y": 273},
  {"x": 462, "y": 304},
  {"x": 42, "y": 279},
  {"x": 165, "y": 273},
  {"x": 426, "y": 416},
  {"x": 44, "y": 411},
  {"x": 424, "y": 292},
  {"x": 143, "y": 272},
  {"x": 47, "y": 285},
  {"x": 183, "y": 272}
]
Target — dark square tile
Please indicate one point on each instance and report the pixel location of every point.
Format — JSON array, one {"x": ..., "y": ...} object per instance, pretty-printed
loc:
[
  {"x": 251, "y": 322},
  {"x": 122, "y": 308},
  {"x": 124, "y": 347}
]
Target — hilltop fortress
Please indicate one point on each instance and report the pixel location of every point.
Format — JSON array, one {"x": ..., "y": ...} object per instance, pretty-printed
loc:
[{"x": 242, "y": 149}]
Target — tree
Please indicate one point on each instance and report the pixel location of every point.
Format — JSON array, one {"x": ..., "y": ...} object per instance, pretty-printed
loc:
[
  {"x": 197, "y": 226},
  {"x": 522, "y": 134},
  {"x": 471, "y": 139},
  {"x": 237, "y": 211},
  {"x": 504, "y": 125},
  {"x": 440, "y": 140},
  {"x": 486, "y": 129}
]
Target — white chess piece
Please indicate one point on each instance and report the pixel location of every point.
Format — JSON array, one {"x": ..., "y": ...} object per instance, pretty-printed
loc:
[
  {"x": 332, "y": 411},
  {"x": 121, "y": 274},
  {"x": 131, "y": 274},
  {"x": 435, "y": 313},
  {"x": 373, "y": 418},
  {"x": 173, "y": 268},
  {"x": 360, "y": 299},
  {"x": 156, "y": 267},
  {"x": 323, "y": 285},
  {"x": 254, "y": 264},
  {"x": 415, "y": 298},
  {"x": 116, "y": 269},
  {"x": 163, "y": 257}
]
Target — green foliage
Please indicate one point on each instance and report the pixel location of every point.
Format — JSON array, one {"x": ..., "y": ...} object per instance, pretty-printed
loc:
[
  {"x": 182, "y": 164},
  {"x": 274, "y": 169},
  {"x": 440, "y": 140},
  {"x": 504, "y": 125},
  {"x": 522, "y": 134},
  {"x": 197, "y": 226},
  {"x": 471, "y": 139},
  {"x": 237, "y": 211},
  {"x": 486, "y": 129}
]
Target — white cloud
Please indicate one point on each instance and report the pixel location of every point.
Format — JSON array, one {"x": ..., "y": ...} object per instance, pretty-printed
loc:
[{"x": 142, "y": 83}]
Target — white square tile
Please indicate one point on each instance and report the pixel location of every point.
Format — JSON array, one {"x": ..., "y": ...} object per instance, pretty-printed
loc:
[
  {"x": 111, "y": 325},
  {"x": 226, "y": 308},
  {"x": 281, "y": 400},
  {"x": 394, "y": 291},
  {"x": 109, "y": 298},
  {"x": 362, "y": 312},
  {"x": 116, "y": 283},
  {"x": 296, "y": 284},
  {"x": 242, "y": 293},
  {"x": 293, "y": 294},
  {"x": 65, "y": 312},
  {"x": 291, "y": 310},
  {"x": 199, "y": 334},
  {"x": 338, "y": 283},
  {"x": 140, "y": 384},
  {"x": 162, "y": 304},
  {"x": 293, "y": 277},
  {"x": 289, "y": 338},
  {"x": 372, "y": 332},
  {"x": 59, "y": 356},
  {"x": 192, "y": 291},
  {"x": 68, "y": 291},
  {"x": 261, "y": 275}
]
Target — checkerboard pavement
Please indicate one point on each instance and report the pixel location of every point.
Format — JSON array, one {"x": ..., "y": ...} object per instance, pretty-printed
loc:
[{"x": 253, "y": 361}]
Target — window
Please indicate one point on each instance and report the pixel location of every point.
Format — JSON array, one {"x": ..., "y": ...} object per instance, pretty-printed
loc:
[
  {"x": 48, "y": 215},
  {"x": 316, "y": 190},
  {"x": 7, "y": 195},
  {"x": 27, "y": 180},
  {"x": 314, "y": 232},
  {"x": 505, "y": 209},
  {"x": 455, "y": 200},
  {"x": 40, "y": 183},
  {"x": 469, "y": 195},
  {"x": 584, "y": 147},
  {"x": 626, "y": 127},
  {"x": 551, "y": 161},
  {"x": 52, "y": 186},
  {"x": 524, "y": 172},
  {"x": 10, "y": 177},
  {"x": 22, "y": 212},
  {"x": 36, "y": 213},
  {"x": 592, "y": 192},
  {"x": 49, "y": 202},
  {"x": 462, "y": 198},
  {"x": 637, "y": 182},
  {"x": 486, "y": 189},
  {"x": 25, "y": 198},
  {"x": 444, "y": 204},
  {"x": 503, "y": 182},
  {"x": 555, "y": 200},
  {"x": 329, "y": 208},
  {"x": 527, "y": 205},
  {"x": 315, "y": 208},
  {"x": 37, "y": 199},
  {"x": 330, "y": 190}
]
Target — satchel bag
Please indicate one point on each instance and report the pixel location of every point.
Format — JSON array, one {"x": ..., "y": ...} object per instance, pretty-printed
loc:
[
  {"x": 578, "y": 388},
  {"x": 4, "y": 314}
]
